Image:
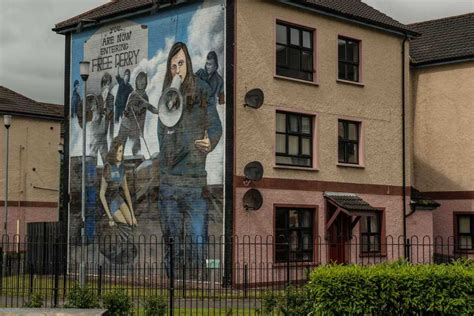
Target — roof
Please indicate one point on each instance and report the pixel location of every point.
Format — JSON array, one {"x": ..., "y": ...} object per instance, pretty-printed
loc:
[
  {"x": 358, "y": 11},
  {"x": 421, "y": 201},
  {"x": 443, "y": 40},
  {"x": 349, "y": 202},
  {"x": 107, "y": 10},
  {"x": 14, "y": 103},
  {"x": 351, "y": 9}
]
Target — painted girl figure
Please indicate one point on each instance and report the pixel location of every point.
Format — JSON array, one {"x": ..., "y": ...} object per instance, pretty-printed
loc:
[{"x": 118, "y": 210}]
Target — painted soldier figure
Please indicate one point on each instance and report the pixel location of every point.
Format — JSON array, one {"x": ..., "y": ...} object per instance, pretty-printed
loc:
[{"x": 134, "y": 115}]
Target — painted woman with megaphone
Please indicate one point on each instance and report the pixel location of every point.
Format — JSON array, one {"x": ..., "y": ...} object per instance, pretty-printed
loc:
[{"x": 189, "y": 128}]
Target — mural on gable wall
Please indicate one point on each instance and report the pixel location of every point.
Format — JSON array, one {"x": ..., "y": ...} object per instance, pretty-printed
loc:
[{"x": 154, "y": 121}]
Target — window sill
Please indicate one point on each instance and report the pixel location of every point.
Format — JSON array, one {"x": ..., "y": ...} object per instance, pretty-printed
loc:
[
  {"x": 355, "y": 83},
  {"x": 348, "y": 165},
  {"x": 464, "y": 251},
  {"x": 295, "y": 168},
  {"x": 295, "y": 264},
  {"x": 313, "y": 83},
  {"x": 372, "y": 255}
]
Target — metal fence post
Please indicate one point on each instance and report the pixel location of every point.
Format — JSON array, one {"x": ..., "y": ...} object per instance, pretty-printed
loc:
[
  {"x": 171, "y": 280},
  {"x": 246, "y": 280},
  {"x": 31, "y": 277},
  {"x": 56, "y": 272},
  {"x": 407, "y": 250},
  {"x": 288, "y": 280},
  {"x": 99, "y": 286}
]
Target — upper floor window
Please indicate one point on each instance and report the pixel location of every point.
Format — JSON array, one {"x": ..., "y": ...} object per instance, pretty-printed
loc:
[
  {"x": 465, "y": 232},
  {"x": 349, "y": 137},
  {"x": 348, "y": 57},
  {"x": 370, "y": 231},
  {"x": 294, "y": 226},
  {"x": 294, "y": 138},
  {"x": 294, "y": 52}
]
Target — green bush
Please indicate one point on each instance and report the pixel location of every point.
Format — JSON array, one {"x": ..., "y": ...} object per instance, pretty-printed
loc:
[
  {"x": 394, "y": 289},
  {"x": 118, "y": 303},
  {"x": 291, "y": 302},
  {"x": 155, "y": 306},
  {"x": 81, "y": 298},
  {"x": 35, "y": 301}
]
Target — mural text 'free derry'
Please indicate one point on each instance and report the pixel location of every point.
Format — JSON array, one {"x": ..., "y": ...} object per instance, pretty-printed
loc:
[{"x": 114, "y": 50}]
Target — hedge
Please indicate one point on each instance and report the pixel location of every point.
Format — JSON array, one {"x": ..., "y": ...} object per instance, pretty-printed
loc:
[{"x": 393, "y": 289}]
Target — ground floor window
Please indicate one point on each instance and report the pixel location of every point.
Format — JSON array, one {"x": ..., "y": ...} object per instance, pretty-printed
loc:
[
  {"x": 294, "y": 225},
  {"x": 370, "y": 231},
  {"x": 465, "y": 232}
]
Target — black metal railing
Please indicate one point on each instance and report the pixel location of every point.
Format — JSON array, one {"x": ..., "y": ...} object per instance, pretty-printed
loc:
[{"x": 189, "y": 274}]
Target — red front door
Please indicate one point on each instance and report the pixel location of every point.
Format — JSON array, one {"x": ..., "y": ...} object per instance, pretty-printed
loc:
[{"x": 338, "y": 234}]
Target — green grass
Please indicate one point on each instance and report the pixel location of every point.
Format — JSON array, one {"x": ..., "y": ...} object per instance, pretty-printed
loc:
[
  {"x": 20, "y": 286},
  {"x": 209, "y": 311}
]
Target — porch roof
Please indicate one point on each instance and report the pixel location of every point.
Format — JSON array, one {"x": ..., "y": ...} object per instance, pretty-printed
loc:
[{"x": 351, "y": 204}]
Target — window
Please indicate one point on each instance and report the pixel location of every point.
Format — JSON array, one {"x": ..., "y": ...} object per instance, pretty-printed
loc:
[
  {"x": 294, "y": 137},
  {"x": 294, "y": 52},
  {"x": 348, "y": 56},
  {"x": 370, "y": 231},
  {"x": 294, "y": 225},
  {"x": 465, "y": 232},
  {"x": 348, "y": 147}
]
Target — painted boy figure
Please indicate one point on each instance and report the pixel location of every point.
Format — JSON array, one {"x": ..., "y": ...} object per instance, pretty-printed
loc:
[
  {"x": 107, "y": 102},
  {"x": 123, "y": 91},
  {"x": 212, "y": 77},
  {"x": 75, "y": 99},
  {"x": 183, "y": 151},
  {"x": 134, "y": 116}
]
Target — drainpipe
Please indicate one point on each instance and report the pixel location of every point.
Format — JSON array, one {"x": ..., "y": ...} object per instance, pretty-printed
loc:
[{"x": 403, "y": 150}]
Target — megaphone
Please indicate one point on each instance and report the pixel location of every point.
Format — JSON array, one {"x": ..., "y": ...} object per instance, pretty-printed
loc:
[{"x": 170, "y": 106}]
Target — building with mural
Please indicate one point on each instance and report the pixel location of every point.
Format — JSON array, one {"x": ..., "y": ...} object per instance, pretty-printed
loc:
[{"x": 179, "y": 144}]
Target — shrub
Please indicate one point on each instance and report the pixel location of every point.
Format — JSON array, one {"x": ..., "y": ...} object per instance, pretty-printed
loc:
[
  {"x": 35, "y": 301},
  {"x": 291, "y": 302},
  {"x": 155, "y": 306},
  {"x": 118, "y": 303},
  {"x": 81, "y": 298},
  {"x": 270, "y": 302},
  {"x": 399, "y": 288}
]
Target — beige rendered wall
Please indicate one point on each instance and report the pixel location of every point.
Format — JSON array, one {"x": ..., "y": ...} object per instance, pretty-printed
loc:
[
  {"x": 377, "y": 103},
  {"x": 33, "y": 160},
  {"x": 444, "y": 130}
]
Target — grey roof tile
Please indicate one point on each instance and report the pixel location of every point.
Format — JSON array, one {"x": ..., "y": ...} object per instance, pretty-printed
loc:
[
  {"x": 352, "y": 9},
  {"x": 349, "y": 201},
  {"x": 444, "y": 39},
  {"x": 12, "y": 102}
]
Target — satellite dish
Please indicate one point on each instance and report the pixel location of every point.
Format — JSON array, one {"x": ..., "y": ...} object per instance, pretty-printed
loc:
[
  {"x": 254, "y": 98},
  {"x": 252, "y": 200},
  {"x": 253, "y": 171}
]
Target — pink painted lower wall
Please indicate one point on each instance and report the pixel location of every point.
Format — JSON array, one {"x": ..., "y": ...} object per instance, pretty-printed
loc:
[
  {"x": 18, "y": 217},
  {"x": 255, "y": 242},
  {"x": 443, "y": 222},
  {"x": 420, "y": 232}
]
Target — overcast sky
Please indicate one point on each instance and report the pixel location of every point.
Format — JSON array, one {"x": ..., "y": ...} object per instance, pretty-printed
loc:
[{"x": 32, "y": 56}]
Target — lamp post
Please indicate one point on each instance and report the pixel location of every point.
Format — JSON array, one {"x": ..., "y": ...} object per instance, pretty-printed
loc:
[
  {"x": 60, "y": 204},
  {"x": 7, "y": 121},
  {"x": 84, "y": 71}
]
